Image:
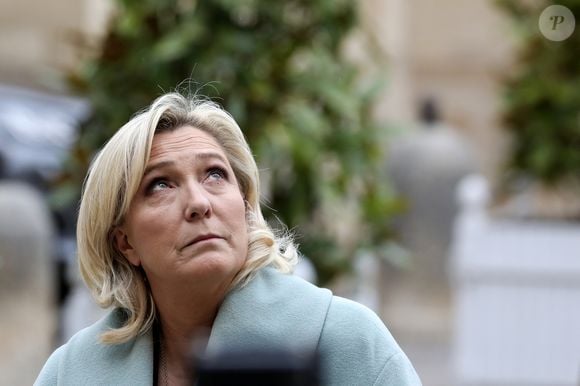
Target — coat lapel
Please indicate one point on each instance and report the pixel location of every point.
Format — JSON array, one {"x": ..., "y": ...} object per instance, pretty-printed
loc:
[{"x": 273, "y": 311}]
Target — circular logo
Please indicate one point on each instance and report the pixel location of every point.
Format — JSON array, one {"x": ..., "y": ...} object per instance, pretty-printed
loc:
[{"x": 557, "y": 23}]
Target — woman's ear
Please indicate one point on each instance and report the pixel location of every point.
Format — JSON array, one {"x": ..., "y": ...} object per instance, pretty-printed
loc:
[{"x": 124, "y": 246}]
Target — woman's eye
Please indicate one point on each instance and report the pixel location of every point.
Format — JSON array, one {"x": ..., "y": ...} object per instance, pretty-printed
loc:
[
  {"x": 216, "y": 174},
  {"x": 157, "y": 184}
]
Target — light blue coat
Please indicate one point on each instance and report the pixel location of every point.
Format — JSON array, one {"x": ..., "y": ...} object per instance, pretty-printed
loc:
[{"x": 354, "y": 345}]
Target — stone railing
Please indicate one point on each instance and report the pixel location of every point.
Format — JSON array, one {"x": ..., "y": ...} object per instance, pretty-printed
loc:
[{"x": 516, "y": 286}]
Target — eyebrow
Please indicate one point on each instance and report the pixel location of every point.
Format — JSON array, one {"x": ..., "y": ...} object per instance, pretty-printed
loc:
[{"x": 198, "y": 157}]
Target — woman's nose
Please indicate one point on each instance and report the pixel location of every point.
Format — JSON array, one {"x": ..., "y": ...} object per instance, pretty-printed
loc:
[{"x": 197, "y": 202}]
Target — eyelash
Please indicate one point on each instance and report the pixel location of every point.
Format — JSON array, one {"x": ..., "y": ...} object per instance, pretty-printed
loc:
[
  {"x": 223, "y": 174},
  {"x": 154, "y": 183}
]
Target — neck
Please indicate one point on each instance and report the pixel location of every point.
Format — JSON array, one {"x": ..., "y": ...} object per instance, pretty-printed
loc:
[
  {"x": 179, "y": 336},
  {"x": 175, "y": 348},
  {"x": 184, "y": 322}
]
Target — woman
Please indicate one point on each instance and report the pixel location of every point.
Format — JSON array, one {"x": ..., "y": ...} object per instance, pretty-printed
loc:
[{"x": 170, "y": 234}]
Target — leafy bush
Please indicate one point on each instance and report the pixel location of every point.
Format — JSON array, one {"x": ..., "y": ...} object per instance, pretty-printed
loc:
[
  {"x": 543, "y": 99},
  {"x": 277, "y": 67}
]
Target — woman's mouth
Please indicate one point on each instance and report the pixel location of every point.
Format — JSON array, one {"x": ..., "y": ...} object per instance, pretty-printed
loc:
[{"x": 202, "y": 238}]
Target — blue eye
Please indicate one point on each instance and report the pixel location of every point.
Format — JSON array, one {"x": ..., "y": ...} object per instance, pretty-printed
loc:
[
  {"x": 158, "y": 184},
  {"x": 217, "y": 173},
  {"x": 161, "y": 184}
]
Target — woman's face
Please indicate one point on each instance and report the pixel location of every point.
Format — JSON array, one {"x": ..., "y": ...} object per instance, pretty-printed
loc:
[{"x": 186, "y": 225}]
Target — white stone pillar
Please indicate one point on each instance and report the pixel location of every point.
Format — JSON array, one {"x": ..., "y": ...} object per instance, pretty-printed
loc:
[{"x": 27, "y": 307}]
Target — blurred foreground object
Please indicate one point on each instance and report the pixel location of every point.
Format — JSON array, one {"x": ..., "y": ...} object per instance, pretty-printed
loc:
[
  {"x": 27, "y": 307},
  {"x": 517, "y": 296},
  {"x": 258, "y": 368}
]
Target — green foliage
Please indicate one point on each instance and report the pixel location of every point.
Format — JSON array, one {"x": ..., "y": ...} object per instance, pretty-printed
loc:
[
  {"x": 276, "y": 67},
  {"x": 543, "y": 99}
]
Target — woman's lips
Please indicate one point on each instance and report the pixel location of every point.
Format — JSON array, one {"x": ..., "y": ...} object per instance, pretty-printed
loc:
[{"x": 202, "y": 238}]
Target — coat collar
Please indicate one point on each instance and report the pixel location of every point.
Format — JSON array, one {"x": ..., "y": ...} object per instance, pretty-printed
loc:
[{"x": 273, "y": 310}]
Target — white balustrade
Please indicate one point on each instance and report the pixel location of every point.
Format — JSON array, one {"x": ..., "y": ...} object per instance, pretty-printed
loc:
[{"x": 516, "y": 286}]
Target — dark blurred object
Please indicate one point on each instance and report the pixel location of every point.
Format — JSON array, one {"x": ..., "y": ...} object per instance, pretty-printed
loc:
[
  {"x": 2, "y": 167},
  {"x": 429, "y": 112},
  {"x": 258, "y": 368},
  {"x": 36, "y": 132}
]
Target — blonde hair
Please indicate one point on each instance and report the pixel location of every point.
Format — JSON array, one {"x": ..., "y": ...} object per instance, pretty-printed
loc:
[{"x": 113, "y": 180}]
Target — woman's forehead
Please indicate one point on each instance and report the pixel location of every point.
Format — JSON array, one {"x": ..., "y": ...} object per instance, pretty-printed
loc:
[{"x": 185, "y": 140}]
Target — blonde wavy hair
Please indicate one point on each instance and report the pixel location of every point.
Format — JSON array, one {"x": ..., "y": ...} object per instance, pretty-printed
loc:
[{"x": 112, "y": 181}]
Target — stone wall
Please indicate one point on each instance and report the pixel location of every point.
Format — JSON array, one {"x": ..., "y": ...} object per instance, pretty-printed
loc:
[{"x": 38, "y": 39}]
